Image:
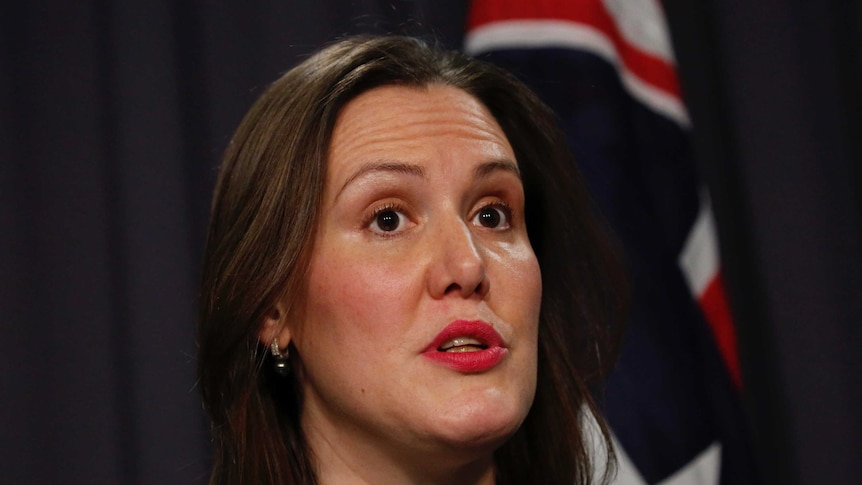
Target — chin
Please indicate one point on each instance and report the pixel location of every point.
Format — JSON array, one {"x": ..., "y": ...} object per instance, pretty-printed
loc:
[{"x": 484, "y": 423}]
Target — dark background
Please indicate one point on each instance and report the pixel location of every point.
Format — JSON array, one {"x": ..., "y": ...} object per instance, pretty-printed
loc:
[{"x": 113, "y": 117}]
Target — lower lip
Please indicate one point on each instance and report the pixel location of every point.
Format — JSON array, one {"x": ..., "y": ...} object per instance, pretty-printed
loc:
[{"x": 476, "y": 361}]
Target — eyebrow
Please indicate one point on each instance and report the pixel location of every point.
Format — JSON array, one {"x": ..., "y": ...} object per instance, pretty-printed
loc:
[
  {"x": 482, "y": 171},
  {"x": 384, "y": 166},
  {"x": 488, "y": 168}
]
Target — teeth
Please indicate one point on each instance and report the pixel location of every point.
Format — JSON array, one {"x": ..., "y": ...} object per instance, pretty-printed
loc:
[
  {"x": 466, "y": 348},
  {"x": 462, "y": 344}
]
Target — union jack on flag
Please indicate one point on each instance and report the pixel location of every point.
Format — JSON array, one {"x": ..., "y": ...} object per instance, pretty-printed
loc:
[{"x": 607, "y": 68}]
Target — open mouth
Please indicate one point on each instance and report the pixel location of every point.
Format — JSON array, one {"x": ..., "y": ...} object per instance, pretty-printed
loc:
[
  {"x": 468, "y": 347},
  {"x": 462, "y": 344}
]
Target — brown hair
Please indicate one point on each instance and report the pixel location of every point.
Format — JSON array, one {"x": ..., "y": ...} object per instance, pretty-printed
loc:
[{"x": 264, "y": 216}]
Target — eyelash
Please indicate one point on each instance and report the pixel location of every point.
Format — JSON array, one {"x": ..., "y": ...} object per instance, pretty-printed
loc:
[
  {"x": 504, "y": 207},
  {"x": 389, "y": 206}
]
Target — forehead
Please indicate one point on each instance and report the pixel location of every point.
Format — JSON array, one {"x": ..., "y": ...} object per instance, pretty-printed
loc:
[{"x": 415, "y": 124}]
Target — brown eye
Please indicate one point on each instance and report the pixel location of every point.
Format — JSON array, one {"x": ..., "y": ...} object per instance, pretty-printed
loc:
[
  {"x": 387, "y": 221},
  {"x": 492, "y": 217},
  {"x": 489, "y": 217}
]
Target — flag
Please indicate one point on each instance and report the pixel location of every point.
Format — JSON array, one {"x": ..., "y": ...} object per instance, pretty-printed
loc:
[{"x": 606, "y": 67}]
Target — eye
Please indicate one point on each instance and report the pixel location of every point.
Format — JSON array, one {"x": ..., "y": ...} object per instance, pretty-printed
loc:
[
  {"x": 493, "y": 216},
  {"x": 387, "y": 220}
]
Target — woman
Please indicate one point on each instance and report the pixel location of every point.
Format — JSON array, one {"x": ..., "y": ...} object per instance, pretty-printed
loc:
[{"x": 403, "y": 280}]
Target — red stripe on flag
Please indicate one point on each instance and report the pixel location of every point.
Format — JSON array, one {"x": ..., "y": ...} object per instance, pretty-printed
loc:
[
  {"x": 649, "y": 68},
  {"x": 713, "y": 302}
]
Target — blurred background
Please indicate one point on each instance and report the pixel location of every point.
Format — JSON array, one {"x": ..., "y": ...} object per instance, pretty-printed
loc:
[{"x": 723, "y": 140}]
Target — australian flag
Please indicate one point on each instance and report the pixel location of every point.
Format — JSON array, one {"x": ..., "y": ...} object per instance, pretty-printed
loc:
[{"x": 606, "y": 67}]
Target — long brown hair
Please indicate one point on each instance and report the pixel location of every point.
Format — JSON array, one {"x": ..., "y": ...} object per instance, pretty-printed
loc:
[{"x": 263, "y": 222}]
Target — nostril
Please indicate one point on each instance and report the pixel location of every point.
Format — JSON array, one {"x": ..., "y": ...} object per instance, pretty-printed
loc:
[{"x": 455, "y": 287}]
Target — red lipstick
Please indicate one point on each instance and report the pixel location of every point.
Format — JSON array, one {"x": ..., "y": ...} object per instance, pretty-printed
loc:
[{"x": 474, "y": 346}]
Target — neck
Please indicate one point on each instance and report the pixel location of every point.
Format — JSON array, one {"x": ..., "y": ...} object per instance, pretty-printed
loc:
[
  {"x": 351, "y": 473},
  {"x": 352, "y": 459}
]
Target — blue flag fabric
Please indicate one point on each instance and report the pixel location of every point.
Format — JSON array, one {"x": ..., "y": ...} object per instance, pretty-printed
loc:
[{"x": 606, "y": 68}]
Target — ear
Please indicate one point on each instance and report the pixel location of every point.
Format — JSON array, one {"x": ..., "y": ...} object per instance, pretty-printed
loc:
[{"x": 275, "y": 327}]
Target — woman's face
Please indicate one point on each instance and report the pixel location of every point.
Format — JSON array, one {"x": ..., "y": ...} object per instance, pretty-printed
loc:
[{"x": 419, "y": 329}]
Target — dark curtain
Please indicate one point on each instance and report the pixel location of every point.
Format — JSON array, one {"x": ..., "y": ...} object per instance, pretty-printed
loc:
[
  {"x": 113, "y": 116},
  {"x": 775, "y": 92}
]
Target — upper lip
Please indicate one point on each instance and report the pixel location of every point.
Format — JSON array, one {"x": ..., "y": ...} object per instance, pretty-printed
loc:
[{"x": 475, "y": 329}]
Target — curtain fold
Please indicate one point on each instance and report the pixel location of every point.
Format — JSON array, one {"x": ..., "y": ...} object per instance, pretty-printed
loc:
[{"x": 113, "y": 117}]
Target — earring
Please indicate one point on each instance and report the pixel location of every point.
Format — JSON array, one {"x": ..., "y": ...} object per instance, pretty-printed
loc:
[{"x": 280, "y": 365}]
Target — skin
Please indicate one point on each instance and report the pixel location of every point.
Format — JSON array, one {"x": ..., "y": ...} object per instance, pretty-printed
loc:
[{"x": 421, "y": 225}]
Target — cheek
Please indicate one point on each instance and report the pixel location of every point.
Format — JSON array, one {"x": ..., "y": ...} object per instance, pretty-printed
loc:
[
  {"x": 354, "y": 295},
  {"x": 532, "y": 278},
  {"x": 531, "y": 275},
  {"x": 520, "y": 277}
]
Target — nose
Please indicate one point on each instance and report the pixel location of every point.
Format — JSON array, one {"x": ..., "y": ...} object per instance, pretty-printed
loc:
[{"x": 458, "y": 266}]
